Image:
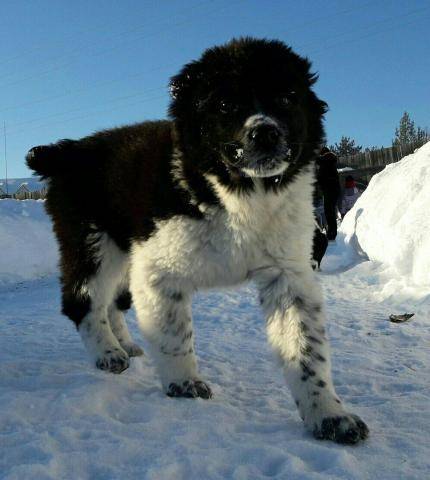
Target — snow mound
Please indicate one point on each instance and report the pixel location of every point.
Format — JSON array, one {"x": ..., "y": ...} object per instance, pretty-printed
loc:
[
  {"x": 390, "y": 223},
  {"x": 27, "y": 244}
]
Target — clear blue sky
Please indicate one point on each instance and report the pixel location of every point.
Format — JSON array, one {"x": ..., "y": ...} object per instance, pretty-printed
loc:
[{"x": 69, "y": 68}]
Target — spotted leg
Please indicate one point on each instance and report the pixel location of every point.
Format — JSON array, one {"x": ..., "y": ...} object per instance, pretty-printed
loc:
[
  {"x": 164, "y": 315},
  {"x": 295, "y": 325},
  {"x": 119, "y": 326},
  {"x": 101, "y": 343},
  {"x": 98, "y": 294}
]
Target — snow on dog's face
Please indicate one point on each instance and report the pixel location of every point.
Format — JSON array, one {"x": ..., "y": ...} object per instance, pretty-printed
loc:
[{"x": 246, "y": 109}]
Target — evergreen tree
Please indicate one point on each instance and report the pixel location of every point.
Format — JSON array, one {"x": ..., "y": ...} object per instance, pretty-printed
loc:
[
  {"x": 345, "y": 147},
  {"x": 423, "y": 135},
  {"x": 406, "y": 131}
]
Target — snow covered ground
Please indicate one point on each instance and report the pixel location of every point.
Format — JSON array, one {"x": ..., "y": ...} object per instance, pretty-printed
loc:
[
  {"x": 60, "y": 418},
  {"x": 27, "y": 246}
]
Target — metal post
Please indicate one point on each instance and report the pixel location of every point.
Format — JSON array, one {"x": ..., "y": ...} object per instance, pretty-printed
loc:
[{"x": 5, "y": 157}]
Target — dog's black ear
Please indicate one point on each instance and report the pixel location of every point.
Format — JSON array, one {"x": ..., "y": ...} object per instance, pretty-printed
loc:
[
  {"x": 183, "y": 89},
  {"x": 312, "y": 76},
  {"x": 186, "y": 80},
  {"x": 323, "y": 107},
  {"x": 175, "y": 86}
]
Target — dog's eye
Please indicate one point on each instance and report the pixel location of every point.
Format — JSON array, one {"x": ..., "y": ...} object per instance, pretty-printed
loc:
[
  {"x": 285, "y": 100},
  {"x": 226, "y": 107},
  {"x": 200, "y": 104}
]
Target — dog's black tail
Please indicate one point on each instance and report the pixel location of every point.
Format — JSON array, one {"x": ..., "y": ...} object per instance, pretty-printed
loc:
[{"x": 51, "y": 160}]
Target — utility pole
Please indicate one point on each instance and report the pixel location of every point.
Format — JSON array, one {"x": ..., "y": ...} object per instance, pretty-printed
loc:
[{"x": 5, "y": 156}]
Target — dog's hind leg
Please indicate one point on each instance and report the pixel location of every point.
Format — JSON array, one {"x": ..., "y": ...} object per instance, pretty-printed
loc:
[
  {"x": 118, "y": 325},
  {"x": 91, "y": 276}
]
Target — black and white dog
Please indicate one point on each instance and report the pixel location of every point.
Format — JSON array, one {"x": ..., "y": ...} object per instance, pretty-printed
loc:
[{"x": 218, "y": 195}]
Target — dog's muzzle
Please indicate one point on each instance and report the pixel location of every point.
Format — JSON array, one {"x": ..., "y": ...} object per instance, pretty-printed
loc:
[
  {"x": 261, "y": 149},
  {"x": 265, "y": 136}
]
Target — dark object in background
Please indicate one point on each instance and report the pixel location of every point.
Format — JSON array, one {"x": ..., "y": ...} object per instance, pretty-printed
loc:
[
  {"x": 329, "y": 186},
  {"x": 319, "y": 247},
  {"x": 401, "y": 318}
]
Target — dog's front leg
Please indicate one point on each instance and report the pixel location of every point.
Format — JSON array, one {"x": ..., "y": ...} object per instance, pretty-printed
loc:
[
  {"x": 164, "y": 315},
  {"x": 295, "y": 325}
]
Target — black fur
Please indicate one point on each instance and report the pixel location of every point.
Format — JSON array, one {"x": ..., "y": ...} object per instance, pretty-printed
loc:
[
  {"x": 332, "y": 429},
  {"x": 190, "y": 390},
  {"x": 123, "y": 300},
  {"x": 319, "y": 247}
]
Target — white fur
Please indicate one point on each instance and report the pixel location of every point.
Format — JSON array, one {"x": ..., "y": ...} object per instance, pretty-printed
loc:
[
  {"x": 120, "y": 330},
  {"x": 279, "y": 168},
  {"x": 260, "y": 119}
]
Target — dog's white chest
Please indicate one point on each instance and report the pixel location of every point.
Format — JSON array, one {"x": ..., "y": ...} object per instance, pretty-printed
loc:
[{"x": 248, "y": 232}]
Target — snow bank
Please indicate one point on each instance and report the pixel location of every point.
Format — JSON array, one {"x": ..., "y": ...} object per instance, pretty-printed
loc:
[
  {"x": 390, "y": 223},
  {"x": 27, "y": 246}
]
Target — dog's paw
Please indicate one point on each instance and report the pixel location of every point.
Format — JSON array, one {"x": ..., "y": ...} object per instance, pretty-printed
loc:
[
  {"x": 190, "y": 389},
  {"x": 114, "y": 361},
  {"x": 347, "y": 429},
  {"x": 132, "y": 349}
]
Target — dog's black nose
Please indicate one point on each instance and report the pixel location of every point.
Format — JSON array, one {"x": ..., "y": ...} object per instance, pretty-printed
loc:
[{"x": 265, "y": 135}]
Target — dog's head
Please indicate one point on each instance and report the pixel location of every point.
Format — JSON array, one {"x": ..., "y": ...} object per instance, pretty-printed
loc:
[{"x": 247, "y": 109}]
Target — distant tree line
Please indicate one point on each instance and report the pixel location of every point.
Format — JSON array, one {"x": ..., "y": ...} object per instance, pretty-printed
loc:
[
  {"x": 345, "y": 147},
  {"x": 405, "y": 133}
]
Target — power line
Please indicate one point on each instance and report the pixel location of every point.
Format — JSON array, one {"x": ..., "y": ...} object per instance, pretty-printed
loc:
[
  {"x": 376, "y": 24},
  {"x": 103, "y": 83},
  {"x": 87, "y": 88},
  {"x": 143, "y": 100},
  {"x": 369, "y": 34},
  {"x": 35, "y": 48},
  {"x": 5, "y": 157},
  {"x": 108, "y": 102},
  {"x": 89, "y": 114},
  {"x": 332, "y": 16},
  {"x": 103, "y": 29},
  {"x": 107, "y": 50}
]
